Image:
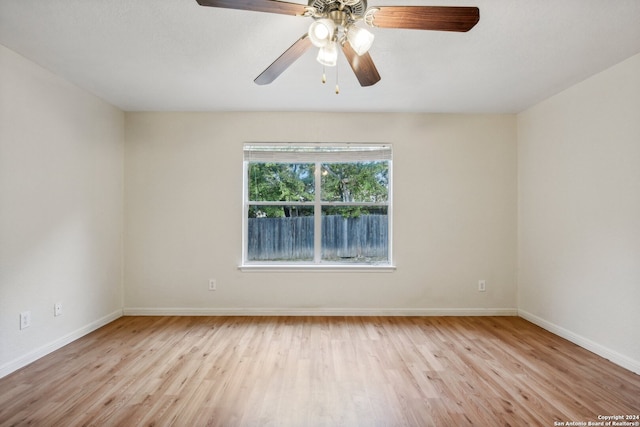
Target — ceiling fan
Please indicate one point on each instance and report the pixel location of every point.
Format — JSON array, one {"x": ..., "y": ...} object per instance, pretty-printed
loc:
[{"x": 334, "y": 26}]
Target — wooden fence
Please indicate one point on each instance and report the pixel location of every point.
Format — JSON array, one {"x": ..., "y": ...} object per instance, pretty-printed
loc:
[{"x": 281, "y": 239}]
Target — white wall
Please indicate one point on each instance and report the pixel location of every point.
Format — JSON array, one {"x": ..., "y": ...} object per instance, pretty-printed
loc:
[
  {"x": 454, "y": 219},
  {"x": 61, "y": 178},
  {"x": 579, "y": 213}
]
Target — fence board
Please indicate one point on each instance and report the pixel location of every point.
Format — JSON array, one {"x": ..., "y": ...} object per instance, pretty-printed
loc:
[{"x": 364, "y": 237}]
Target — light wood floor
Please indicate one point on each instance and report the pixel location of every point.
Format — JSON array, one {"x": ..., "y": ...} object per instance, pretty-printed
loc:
[{"x": 325, "y": 371}]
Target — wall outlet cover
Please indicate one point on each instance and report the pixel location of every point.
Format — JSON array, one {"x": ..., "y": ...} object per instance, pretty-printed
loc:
[{"x": 25, "y": 319}]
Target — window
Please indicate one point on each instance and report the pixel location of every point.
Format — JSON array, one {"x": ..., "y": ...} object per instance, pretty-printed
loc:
[{"x": 308, "y": 205}]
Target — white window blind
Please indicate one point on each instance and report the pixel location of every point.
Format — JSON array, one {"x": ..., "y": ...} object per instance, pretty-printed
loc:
[{"x": 305, "y": 152}]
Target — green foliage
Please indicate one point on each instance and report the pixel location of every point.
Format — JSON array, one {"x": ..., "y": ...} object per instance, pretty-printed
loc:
[
  {"x": 355, "y": 182},
  {"x": 341, "y": 182},
  {"x": 286, "y": 182}
]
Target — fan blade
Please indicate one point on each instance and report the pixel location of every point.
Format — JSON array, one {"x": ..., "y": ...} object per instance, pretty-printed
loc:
[
  {"x": 439, "y": 18},
  {"x": 362, "y": 66},
  {"x": 285, "y": 60},
  {"x": 271, "y": 6}
]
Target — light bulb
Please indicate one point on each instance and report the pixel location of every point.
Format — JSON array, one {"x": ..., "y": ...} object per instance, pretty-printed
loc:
[
  {"x": 360, "y": 39},
  {"x": 321, "y": 32},
  {"x": 328, "y": 55}
]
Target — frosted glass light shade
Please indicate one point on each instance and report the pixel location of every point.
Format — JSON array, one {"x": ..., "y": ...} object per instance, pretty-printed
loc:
[
  {"x": 360, "y": 39},
  {"x": 328, "y": 55},
  {"x": 321, "y": 32}
]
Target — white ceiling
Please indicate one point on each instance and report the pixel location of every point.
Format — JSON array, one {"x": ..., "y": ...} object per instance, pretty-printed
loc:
[{"x": 174, "y": 55}]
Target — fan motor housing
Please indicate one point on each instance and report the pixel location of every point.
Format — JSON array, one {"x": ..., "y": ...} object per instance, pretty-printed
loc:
[{"x": 351, "y": 7}]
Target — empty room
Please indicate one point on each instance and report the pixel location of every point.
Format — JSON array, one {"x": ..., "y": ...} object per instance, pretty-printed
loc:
[{"x": 320, "y": 213}]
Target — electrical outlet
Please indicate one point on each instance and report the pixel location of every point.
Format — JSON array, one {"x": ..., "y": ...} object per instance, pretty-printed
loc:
[
  {"x": 212, "y": 284},
  {"x": 25, "y": 319},
  {"x": 482, "y": 285},
  {"x": 57, "y": 309}
]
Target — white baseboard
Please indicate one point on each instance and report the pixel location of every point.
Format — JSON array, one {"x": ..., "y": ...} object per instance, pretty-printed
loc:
[
  {"x": 176, "y": 311},
  {"x": 36, "y": 354},
  {"x": 613, "y": 356}
]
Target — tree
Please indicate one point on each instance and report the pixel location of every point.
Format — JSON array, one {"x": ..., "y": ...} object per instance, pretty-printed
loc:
[
  {"x": 351, "y": 182},
  {"x": 286, "y": 182},
  {"x": 355, "y": 182}
]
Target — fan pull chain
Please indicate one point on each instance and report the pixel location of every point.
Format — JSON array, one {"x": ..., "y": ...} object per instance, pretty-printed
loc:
[
  {"x": 324, "y": 78},
  {"x": 337, "y": 86}
]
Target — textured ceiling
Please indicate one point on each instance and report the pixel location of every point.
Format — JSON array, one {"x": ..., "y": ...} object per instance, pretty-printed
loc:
[{"x": 174, "y": 55}]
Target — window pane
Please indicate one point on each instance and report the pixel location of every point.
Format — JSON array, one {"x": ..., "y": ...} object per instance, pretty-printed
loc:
[
  {"x": 344, "y": 188},
  {"x": 355, "y": 234},
  {"x": 355, "y": 181},
  {"x": 280, "y": 233},
  {"x": 286, "y": 182}
]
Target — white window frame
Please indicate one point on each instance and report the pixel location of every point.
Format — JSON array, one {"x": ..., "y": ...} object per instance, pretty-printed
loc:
[{"x": 315, "y": 153}]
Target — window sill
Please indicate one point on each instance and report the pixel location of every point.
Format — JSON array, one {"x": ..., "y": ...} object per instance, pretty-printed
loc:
[{"x": 327, "y": 268}]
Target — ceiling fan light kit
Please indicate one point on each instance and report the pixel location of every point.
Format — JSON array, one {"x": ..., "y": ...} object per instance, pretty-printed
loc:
[
  {"x": 361, "y": 40},
  {"x": 322, "y": 32},
  {"x": 328, "y": 55},
  {"x": 335, "y": 25}
]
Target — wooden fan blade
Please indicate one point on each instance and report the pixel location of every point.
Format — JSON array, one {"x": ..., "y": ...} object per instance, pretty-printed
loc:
[
  {"x": 284, "y": 61},
  {"x": 271, "y": 6},
  {"x": 439, "y": 18},
  {"x": 362, "y": 66}
]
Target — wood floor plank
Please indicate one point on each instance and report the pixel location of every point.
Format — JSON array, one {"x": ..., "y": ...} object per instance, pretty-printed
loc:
[{"x": 317, "y": 371}]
